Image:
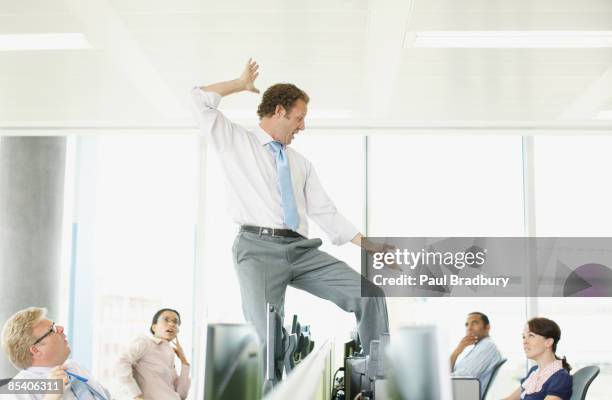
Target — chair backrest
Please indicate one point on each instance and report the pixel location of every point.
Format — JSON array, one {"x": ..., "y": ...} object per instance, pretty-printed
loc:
[
  {"x": 464, "y": 388},
  {"x": 581, "y": 380},
  {"x": 494, "y": 372}
]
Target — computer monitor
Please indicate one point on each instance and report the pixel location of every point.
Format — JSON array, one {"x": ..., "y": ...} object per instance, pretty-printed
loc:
[
  {"x": 234, "y": 363},
  {"x": 420, "y": 368},
  {"x": 284, "y": 348},
  {"x": 274, "y": 348}
]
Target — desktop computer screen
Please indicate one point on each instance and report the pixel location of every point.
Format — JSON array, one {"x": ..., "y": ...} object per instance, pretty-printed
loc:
[{"x": 234, "y": 363}]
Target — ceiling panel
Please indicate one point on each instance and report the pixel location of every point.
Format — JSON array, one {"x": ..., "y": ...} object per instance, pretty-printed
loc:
[
  {"x": 31, "y": 7},
  {"x": 284, "y": 22},
  {"x": 348, "y": 55}
]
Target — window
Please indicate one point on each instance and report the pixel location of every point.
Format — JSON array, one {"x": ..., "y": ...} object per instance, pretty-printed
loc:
[
  {"x": 135, "y": 213},
  {"x": 573, "y": 198},
  {"x": 439, "y": 186}
]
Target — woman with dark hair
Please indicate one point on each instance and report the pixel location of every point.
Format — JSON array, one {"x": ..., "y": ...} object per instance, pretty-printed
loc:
[
  {"x": 550, "y": 378},
  {"x": 146, "y": 370}
]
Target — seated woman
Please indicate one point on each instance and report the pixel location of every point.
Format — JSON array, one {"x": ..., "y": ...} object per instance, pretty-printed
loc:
[
  {"x": 550, "y": 378},
  {"x": 146, "y": 370}
]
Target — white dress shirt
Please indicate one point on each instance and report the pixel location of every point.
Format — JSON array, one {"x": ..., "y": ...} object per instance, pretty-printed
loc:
[
  {"x": 43, "y": 373},
  {"x": 251, "y": 176}
]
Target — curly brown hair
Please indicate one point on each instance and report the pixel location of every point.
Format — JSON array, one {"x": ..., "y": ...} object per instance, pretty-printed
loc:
[{"x": 283, "y": 94}]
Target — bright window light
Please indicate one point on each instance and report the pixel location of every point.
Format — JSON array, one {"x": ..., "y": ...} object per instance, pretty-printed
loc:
[
  {"x": 43, "y": 41},
  {"x": 605, "y": 114},
  {"x": 509, "y": 39}
]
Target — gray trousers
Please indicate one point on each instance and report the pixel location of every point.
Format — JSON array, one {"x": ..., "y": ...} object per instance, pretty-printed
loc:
[{"x": 266, "y": 265}]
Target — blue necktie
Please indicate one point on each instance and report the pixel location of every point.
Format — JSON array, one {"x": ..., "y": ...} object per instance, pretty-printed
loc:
[
  {"x": 82, "y": 391},
  {"x": 292, "y": 219}
]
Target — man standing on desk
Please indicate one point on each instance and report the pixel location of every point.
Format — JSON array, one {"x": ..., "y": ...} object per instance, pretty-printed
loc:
[{"x": 272, "y": 190}]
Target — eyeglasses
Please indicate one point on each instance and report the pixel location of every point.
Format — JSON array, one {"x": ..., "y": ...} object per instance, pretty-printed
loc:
[
  {"x": 53, "y": 329},
  {"x": 168, "y": 320}
]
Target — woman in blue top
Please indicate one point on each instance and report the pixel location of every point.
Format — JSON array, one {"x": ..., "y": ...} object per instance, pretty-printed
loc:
[{"x": 550, "y": 378}]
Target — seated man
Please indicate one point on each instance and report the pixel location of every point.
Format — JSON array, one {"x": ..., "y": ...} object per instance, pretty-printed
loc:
[
  {"x": 478, "y": 352},
  {"x": 39, "y": 349}
]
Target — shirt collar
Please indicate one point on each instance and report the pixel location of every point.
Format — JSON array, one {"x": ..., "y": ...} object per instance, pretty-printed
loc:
[
  {"x": 483, "y": 339},
  {"x": 157, "y": 340},
  {"x": 263, "y": 136},
  {"x": 537, "y": 378},
  {"x": 39, "y": 370}
]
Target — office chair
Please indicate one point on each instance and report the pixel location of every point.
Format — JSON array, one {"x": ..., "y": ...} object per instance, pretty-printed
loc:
[
  {"x": 494, "y": 372},
  {"x": 581, "y": 380}
]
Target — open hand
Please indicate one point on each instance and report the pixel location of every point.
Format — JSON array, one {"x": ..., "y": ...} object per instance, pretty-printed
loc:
[
  {"x": 467, "y": 340},
  {"x": 249, "y": 75}
]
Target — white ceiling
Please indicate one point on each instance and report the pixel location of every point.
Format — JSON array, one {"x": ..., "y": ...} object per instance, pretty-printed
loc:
[{"x": 348, "y": 55}]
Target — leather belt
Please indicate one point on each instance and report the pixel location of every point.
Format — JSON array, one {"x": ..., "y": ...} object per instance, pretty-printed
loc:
[{"x": 260, "y": 230}]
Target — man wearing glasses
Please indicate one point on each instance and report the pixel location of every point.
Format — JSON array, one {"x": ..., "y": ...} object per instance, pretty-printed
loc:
[{"x": 38, "y": 348}]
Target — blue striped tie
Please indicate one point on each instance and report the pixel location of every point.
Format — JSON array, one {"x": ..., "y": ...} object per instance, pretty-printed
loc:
[
  {"x": 292, "y": 219},
  {"x": 82, "y": 391}
]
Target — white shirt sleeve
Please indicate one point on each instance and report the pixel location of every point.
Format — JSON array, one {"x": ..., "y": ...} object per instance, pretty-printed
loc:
[
  {"x": 124, "y": 367},
  {"x": 213, "y": 124},
  {"x": 324, "y": 213}
]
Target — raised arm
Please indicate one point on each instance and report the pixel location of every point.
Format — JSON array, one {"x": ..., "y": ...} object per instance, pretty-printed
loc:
[
  {"x": 246, "y": 81},
  {"x": 182, "y": 381},
  {"x": 213, "y": 124},
  {"x": 466, "y": 341}
]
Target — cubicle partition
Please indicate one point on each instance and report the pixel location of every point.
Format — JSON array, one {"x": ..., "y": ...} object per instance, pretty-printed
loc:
[{"x": 310, "y": 380}]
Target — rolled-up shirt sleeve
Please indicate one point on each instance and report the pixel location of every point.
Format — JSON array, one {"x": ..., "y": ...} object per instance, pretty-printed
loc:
[
  {"x": 212, "y": 123},
  {"x": 321, "y": 209},
  {"x": 124, "y": 371},
  {"x": 182, "y": 382}
]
